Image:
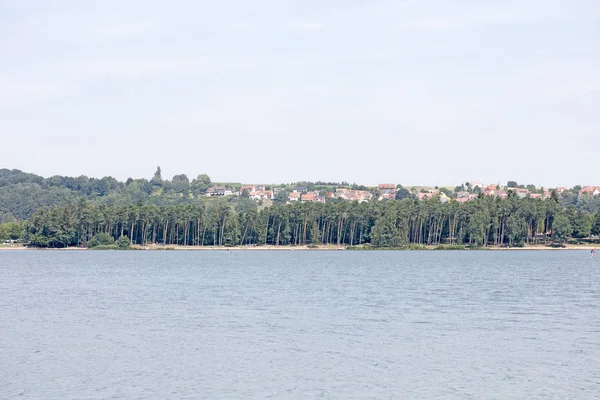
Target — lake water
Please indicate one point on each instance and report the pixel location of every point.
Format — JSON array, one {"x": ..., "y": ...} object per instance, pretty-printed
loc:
[{"x": 299, "y": 325}]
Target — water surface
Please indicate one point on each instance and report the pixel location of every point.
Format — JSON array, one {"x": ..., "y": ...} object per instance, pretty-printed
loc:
[{"x": 299, "y": 325}]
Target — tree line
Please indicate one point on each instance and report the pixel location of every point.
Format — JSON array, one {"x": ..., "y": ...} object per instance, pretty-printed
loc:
[
  {"x": 21, "y": 193},
  {"x": 485, "y": 221}
]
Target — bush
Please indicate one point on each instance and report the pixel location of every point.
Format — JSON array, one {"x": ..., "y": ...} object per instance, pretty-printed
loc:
[
  {"x": 11, "y": 231},
  {"x": 366, "y": 246},
  {"x": 39, "y": 240},
  {"x": 122, "y": 242},
  {"x": 101, "y": 239},
  {"x": 450, "y": 247},
  {"x": 416, "y": 247},
  {"x": 105, "y": 247}
]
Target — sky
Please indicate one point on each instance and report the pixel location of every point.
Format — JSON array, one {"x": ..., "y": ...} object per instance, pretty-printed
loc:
[{"x": 427, "y": 92}]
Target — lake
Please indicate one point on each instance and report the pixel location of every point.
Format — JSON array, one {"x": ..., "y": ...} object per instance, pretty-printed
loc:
[{"x": 299, "y": 325}]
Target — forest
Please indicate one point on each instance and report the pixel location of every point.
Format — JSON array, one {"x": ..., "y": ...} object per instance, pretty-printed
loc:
[{"x": 84, "y": 212}]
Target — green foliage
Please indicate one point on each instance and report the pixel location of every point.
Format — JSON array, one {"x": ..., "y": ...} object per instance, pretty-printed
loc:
[
  {"x": 122, "y": 242},
  {"x": 200, "y": 184},
  {"x": 157, "y": 175},
  {"x": 106, "y": 247},
  {"x": 358, "y": 187},
  {"x": 415, "y": 247},
  {"x": 385, "y": 234},
  {"x": 596, "y": 224},
  {"x": 402, "y": 193},
  {"x": 282, "y": 197},
  {"x": 11, "y": 231},
  {"x": 561, "y": 228},
  {"x": 101, "y": 239},
  {"x": 39, "y": 240},
  {"x": 450, "y": 247},
  {"x": 180, "y": 184},
  {"x": 476, "y": 228},
  {"x": 447, "y": 192},
  {"x": 582, "y": 225}
]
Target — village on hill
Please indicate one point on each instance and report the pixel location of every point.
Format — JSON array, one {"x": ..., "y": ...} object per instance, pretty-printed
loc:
[{"x": 385, "y": 191}]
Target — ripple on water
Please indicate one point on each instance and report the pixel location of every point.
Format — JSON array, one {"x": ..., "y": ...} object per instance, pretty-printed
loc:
[{"x": 380, "y": 325}]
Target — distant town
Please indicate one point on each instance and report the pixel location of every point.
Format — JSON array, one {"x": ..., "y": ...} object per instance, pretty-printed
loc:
[{"x": 461, "y": 194}]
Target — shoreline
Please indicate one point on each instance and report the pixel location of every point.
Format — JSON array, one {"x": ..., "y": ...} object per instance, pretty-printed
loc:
[{"x": 303, "y": 248}]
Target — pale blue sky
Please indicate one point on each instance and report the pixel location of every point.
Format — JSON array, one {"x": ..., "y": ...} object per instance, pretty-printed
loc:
[{"x": 411, "y": 92}]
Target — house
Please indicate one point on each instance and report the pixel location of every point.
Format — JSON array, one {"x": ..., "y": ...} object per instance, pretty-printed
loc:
[
  {"x": 503, "y": 195},
  {"x": 424, "y": 196},
  {"x": 353, "y": 195},
  {"x": 522, "y": 193},
  {"x": 301, "y": 189},
  {"x": 477, "y": 184},
  {"x": 386, "y": 188},
  {"x": 294, "y": 196},
  {"x": 462, "y": 195},
  {"x": 312, "y": 197},
  {"x": 560, "y": 190},
  {"x": 252, "y": 188},
  {"x": 215, "y": 191},
  {"x": 262, "y": 195},
  {"x": 489, "y": 192},
  {"x": 466, "y": 199},
  {"x": 593, "y": 190},
  {"x": 444, "y": 198},
  {"x": 427, "y": 196},
  {"x": 541, "y": 196},
  {"x": 308, "y": 197},
  {"x": 387, "y": 196}
]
